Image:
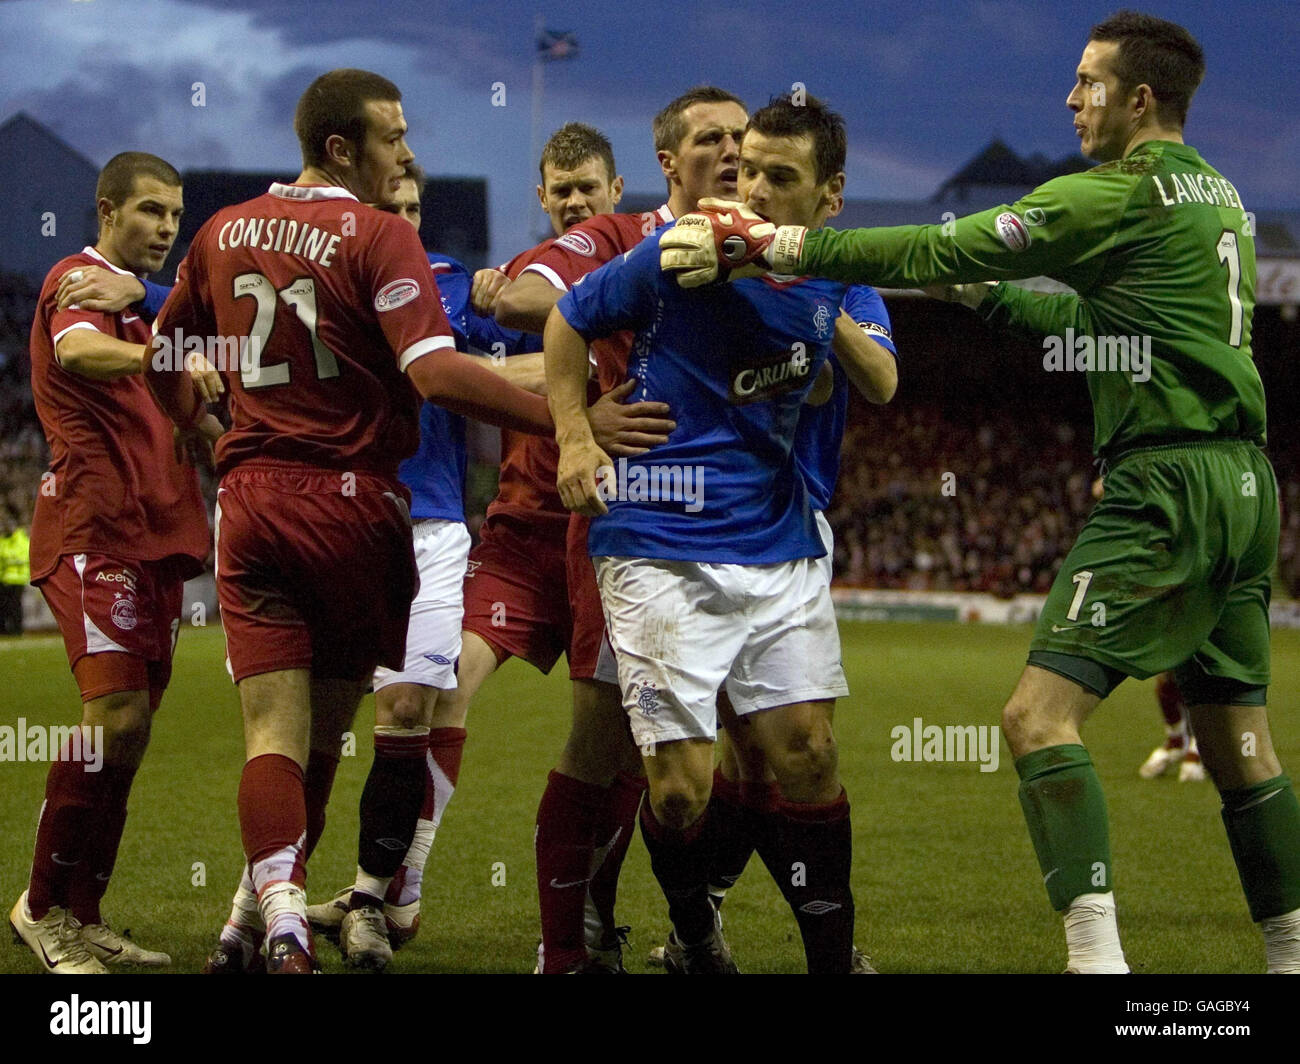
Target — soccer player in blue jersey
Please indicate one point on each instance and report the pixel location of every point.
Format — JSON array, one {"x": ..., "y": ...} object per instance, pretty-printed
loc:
[{"x": 707, "y": 553}]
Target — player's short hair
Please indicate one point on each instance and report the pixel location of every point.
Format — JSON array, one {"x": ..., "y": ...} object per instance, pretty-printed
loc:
[
  {"x": 669, "y": 126},
  {"x": 336, "y": 103},
  {"x": 572, "y": 145},
  {"x": 1157, "y": 53},
  {"x": 415, "y": 172},
  {"x": 117, "y": 180},
  {"x": 782, "y": 117}
]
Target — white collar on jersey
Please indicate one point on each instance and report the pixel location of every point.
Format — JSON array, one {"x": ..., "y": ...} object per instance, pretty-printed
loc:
[
  {"x": 108, "y": 265},
  {"x": 309, "y": 192},
  {"x": 664, "y": 215}
]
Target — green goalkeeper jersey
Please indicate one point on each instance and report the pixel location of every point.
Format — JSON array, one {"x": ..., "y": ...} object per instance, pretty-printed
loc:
[{"x": 1161, "y": 254}]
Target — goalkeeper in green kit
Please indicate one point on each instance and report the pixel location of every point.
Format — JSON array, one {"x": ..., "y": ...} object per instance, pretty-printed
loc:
[{"x": 1172, "y": 569}]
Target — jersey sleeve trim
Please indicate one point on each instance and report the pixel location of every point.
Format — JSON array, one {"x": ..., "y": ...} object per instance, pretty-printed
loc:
[
  {"x": 64, "y": 332},
  {"x": 423, "y": 347},
  {"x": 546, "y": 272}
]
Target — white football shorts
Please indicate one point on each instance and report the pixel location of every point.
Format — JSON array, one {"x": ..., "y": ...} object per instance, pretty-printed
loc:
[
  {"x": 824, "y": 533},
  {"x": 433, "y": 634},
  {"x": 680, "y": 630}
]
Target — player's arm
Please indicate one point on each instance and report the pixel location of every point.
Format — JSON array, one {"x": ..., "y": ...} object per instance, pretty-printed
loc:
[
  {"x": 464, "y": 386},
  {"x": 1041, "y": 313},
  {"x": 1060, "y": 224},
  {"x": 526, "y": 302},
  {"x": 523, "y": 371},
  {"x": 566, "y": 383},
  {"x": 90, "y": 353},
  {"x": 870, "y": 368}
]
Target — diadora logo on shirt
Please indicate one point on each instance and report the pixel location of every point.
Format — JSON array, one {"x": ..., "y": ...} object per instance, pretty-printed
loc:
[
  {"x": 757, "y": 381},
  {"x": 396, "y": 294},
  {"x": 578, "y": 242}
]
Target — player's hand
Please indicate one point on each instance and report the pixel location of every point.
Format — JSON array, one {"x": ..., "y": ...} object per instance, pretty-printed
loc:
[
  {"x": 972, "y": 295},
  {"x": 628, "y": 429},
  {"x": 204, "y": 374},
  {"x": 722, "y": 234},
  {"x": 485, "y": 292},
  {"x": 193, "y": 446},
  {"x": 582, "y": 469},
  {"x": 95, "y": 288}
]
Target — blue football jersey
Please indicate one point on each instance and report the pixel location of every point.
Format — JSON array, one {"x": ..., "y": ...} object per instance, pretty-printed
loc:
[
  {"x": 436, "y": 472},
  {"x": 734, "y": 361},
  {"x": 821, "y": 428}
]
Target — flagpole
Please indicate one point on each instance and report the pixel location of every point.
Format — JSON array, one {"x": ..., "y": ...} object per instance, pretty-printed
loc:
[{"x": 535, "y": 137}]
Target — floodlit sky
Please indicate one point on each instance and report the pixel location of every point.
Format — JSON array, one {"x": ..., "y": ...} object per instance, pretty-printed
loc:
[{"x": 923, "y": 85}]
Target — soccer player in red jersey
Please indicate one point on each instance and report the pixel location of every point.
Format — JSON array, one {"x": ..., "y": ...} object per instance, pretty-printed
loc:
[
  {"x": 516, "y": 595},
  {"x": 119, "y": 526},
  {"x": 328, "y": 304}
]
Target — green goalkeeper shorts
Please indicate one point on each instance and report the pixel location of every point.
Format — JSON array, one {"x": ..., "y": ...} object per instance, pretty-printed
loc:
[{"x": 1171, "y": 571}]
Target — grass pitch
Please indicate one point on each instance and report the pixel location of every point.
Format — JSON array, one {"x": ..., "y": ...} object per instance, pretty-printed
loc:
[{"x": 944, "y": 875}]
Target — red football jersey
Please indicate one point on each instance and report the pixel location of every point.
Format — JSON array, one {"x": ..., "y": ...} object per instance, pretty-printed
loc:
[
  {"x": 529, "y": 464},
  {"x": 116, "y": 488},
  {"x": 318, "y": 304},
  {"x": 586, "y": 247}
]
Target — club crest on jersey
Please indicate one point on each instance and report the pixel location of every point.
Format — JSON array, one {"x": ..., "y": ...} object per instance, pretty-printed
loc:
[
  {"x": 647, "y": 700},
  {"x": 754, "y": 382},
  {"x": 580, "y": 243},
  {"x": 1035, "y": 216},
  {"x": 822, "y": 320},
  {"x": 1012, "y": 231},
  {"x": 396, "y": 294}
]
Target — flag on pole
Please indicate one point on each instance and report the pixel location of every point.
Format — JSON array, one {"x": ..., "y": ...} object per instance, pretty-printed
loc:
[{"x": 554, "y": 45}]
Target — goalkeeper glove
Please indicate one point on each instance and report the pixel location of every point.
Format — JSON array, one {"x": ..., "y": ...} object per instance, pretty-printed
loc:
[{"x": 728, "y": 235}]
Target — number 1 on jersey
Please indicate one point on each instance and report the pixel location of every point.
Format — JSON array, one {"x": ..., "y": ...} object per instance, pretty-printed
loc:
[{"x": 1230, "y": 256}]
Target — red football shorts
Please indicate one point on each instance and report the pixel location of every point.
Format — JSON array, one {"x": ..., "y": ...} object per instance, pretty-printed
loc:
[
  {"x": 584, "y": 601},
  {"x": 516, "y": 590},
  {"x": 315, "y": 570},
  {"x": 119, "y": 621}
]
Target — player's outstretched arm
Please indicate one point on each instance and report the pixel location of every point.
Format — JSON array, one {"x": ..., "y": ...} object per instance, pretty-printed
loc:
[
  {"x": 457, "y": 381},
  {"x": 870, "y": 368},
  {"x": 527, "y": 371},
  {"x": 581, "y": 459},
  {"x": 526, "y": 302}
]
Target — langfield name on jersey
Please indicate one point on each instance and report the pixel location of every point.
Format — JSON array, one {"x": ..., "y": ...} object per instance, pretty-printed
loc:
[
  {"x": 280, "y": 234},
  {"x": 1197, "y": 188}
]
